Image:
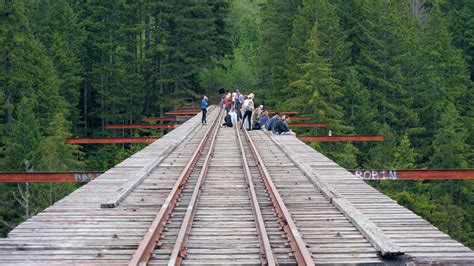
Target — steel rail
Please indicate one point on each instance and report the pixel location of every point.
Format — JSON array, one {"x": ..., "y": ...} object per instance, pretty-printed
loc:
[
  {"x": 147, "y": 245},
  {"x": 179, "y": 249},
  {"x": 298, "y": 246},
  {"x": 267, "y": 255}
]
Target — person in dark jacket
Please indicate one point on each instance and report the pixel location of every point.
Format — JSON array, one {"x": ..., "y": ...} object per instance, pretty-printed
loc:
[
  {"x": 272, "y": 121},
  {"x": 281, "y": 126},
  {"x": 238, "y": 101},
  {"x": 227, "y": 121},
  {"x": 204, "y": 105}
]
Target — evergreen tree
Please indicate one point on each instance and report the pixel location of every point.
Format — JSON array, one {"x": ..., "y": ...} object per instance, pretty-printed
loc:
[
  {"x": 317, "y": 91},
  {"x": 383, "y": 37},
  {"x": 449, "y": 146},
  {"x": 359, "y": 110},
  {"x": 276, "y": 24},
  {"x": 461, "y": 24},
  {"x": 22, "y": 145},
  {"x": 442, "y": 79},
  {"x": 56, "y": 25},
  {"x": 405, "y": 155}
]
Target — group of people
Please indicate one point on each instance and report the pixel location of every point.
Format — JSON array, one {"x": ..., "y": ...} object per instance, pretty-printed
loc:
[{"x": 240, "y": 110}]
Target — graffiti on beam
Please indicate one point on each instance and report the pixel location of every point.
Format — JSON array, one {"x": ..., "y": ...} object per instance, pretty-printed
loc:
[
  {"x": 376, "y": 174},
  {"x": 85, "y": 177}
]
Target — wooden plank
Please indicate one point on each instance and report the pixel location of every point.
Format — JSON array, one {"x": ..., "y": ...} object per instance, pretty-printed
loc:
[
  {"x": 124, "y": 190},
  {"x": 384, "y": 245}
]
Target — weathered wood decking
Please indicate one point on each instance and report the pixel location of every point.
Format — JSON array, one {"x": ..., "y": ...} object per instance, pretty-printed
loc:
[
  {"x": 340, "y": 218},
  {"x": 421, "y": 241}
]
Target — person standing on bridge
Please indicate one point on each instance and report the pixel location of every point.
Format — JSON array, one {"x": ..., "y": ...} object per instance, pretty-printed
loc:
[
  {"x": 204, "y": 105},
  {"x": 228, "y": 103},
  {"x": 248, "y": 107},
  {"x": 239, "y": 100}
]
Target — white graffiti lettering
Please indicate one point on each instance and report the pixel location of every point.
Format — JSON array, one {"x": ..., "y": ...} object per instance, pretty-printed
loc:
[{"x": 376, "y": 174}]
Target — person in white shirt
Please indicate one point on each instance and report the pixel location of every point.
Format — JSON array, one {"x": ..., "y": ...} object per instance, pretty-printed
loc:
[{"x": 248, "y": 108}]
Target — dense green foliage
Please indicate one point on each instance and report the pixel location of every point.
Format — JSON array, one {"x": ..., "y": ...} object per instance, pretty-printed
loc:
[
  {"x": 399, "y": 68},
  {"x": 69, "y": 68}
]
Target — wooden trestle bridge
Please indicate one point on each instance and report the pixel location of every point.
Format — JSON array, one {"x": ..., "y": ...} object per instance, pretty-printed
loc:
[{"x": 209, "y": 195}]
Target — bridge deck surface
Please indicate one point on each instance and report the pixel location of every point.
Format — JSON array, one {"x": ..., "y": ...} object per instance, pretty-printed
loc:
[{"x": 77, "y": 230}]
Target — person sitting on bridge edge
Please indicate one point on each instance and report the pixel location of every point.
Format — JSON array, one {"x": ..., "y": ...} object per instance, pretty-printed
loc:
[
  {"x": 204, "y": 105},
  {"x": 257, "y": 115},
  {"x": 264, "y": 119},
  {"x": 280, "y": 126},
  {"x": 238, "y": 100},
  {"x": 248, "y": 107},
  {"x": 272, "y": 120}
]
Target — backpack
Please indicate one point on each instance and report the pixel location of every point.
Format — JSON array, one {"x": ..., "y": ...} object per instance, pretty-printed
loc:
[{"x": 247, "y": 105}]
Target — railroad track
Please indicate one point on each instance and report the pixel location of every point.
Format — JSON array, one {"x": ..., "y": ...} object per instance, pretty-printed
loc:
[
  {"x": 226, "y": 208},
  {"x": 223, "y": 208}
]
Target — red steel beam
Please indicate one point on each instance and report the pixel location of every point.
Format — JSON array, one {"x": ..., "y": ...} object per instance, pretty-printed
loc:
[
  {"x": 182, "y": 113},
  {"x": 414, "y": 174},
  {"x": 148, "y": 126},
  {"x": 294, "y": 125},
  {"x": 39, "y": 177},
  {"x": 109, "y": 140},
  {"x": 365, "y": 174},
  {"x": 159, "y": 119},
  {"x": 342, "y": 138},
  {"x": 183, "y": 117},
  {"x": 283, "y": 112},
  {"x": 294, "y": 118},
  {"x": 188, "y": 110}
]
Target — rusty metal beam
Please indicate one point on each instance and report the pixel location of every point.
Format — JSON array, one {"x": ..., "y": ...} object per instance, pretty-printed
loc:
[
  {"x": 417, "y": 174},
  {"x": 365, "y": 174},
  {"x": 183, "y": 113},
  {"x": 302, "y": 118},
  {"x": 182, "y": 117},
  {"x": 40, "y": 177},
  {"x": 145, "y": 126},
  {"x": 149, "y": 119},
  {"x": 109, "y": 140},
  {"x": 295, "y": 125},
  {"x": 282, "y": 112},
  {"x": 342, "y": 138}
]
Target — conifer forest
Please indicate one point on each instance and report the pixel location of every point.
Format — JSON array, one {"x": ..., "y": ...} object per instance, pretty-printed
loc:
[{"x": 399, "y": 68}]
